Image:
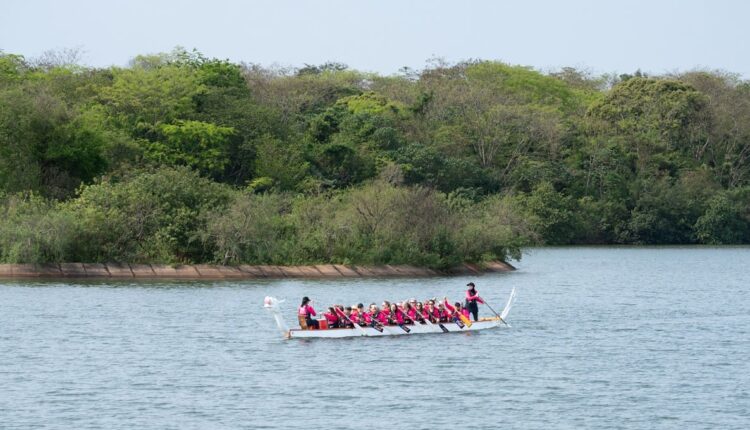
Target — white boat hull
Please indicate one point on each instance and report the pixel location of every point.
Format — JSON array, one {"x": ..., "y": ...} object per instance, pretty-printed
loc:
[
  {"x": 272, "y": 305},
  {"x": 392, "y": 330}
]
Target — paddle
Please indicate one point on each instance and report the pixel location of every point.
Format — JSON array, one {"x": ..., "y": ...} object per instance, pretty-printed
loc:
[
  {"x": 403, "y": 327},
  {"x": 338, "y": 311},
  {"x": 493, "y": 311},
  {"x": 460, "y": 320},
  {"x": 427, "y": 320},
  {"x": 406, "y": 315},
  {"x": 394, "y": 320},
  {"x": 376, "y": 324}
]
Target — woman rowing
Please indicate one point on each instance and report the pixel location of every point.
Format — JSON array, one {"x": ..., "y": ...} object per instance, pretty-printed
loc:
[
  {"x": 421, "y": 312},
  {"x": 345, "y": 317},
  {"x": 385, "y": 309},
  {"x": 374, "y": 318},
  {"x": 307, "y": 312},
  {"x": 472, "y": 300},
  {"x": 431, "y": 312},
  {"x": 332, "y": 317},
  {"x": 397, "y": 316},
  {"x": 443, "y": 312},
  {"x": 456, "y": 311},
  {"x": 357, "y": 316},
  {"x": 411, "y": 311}
]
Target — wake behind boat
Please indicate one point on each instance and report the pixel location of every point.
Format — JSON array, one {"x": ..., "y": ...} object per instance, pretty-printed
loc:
[{"x": 272, "y": 305}]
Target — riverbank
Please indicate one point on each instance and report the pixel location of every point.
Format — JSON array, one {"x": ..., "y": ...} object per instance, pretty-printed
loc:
[{"x": 210, "y": 271}]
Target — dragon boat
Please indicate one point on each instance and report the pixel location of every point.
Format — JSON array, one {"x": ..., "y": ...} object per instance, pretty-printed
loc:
[{"x": 272, "y": 305}]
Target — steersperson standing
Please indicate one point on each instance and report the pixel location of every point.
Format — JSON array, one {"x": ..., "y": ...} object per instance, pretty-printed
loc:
[
  {"x": 472, "y": 300},
  {"x": 307, "y": 311}
]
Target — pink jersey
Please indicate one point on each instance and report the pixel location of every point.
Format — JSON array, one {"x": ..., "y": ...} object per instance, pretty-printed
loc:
[
  {"x": 447, "y": 312},
  {"x": 307, "y": 310},
  {"x": 382, "y": 317},
  {"x": 474, "y": 297},
  {"x": 448, "y": 306},
  {"x": 331, "y": 318},
  {"x": 398, "y": 316},
  {"x": 343, "y": 317}
]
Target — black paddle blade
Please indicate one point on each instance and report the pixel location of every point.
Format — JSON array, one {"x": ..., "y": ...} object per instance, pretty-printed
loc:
[
  {"x": 442, "y": 327},
  {"x": 405, "y": 328}
]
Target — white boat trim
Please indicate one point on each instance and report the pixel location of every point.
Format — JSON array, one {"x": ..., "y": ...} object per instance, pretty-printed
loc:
[{"x": 271, "y": 304}]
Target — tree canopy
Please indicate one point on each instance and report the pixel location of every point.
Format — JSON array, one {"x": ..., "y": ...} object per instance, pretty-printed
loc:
[{"x": 326, "y": 163}]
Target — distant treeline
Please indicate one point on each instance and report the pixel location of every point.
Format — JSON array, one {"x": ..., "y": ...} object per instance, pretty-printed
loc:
[{"x": 183, "y": 158}]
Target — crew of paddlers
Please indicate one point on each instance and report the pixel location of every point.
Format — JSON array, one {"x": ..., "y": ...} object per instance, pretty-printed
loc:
[{"x": 430, "y": 311}]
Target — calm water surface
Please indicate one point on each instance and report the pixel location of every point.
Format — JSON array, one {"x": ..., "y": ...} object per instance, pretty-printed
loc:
[{"x": 601, "y": 338}]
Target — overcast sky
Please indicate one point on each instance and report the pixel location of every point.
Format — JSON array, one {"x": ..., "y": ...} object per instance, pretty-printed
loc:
[{"x": 385, "y": 35}]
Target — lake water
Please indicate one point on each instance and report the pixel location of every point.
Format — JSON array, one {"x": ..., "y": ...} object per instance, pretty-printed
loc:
[{"x": 601, "y": 338}]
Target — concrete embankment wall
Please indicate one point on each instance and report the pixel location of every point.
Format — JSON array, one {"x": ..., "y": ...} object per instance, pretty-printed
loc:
[{"x": 208, "y": 271}]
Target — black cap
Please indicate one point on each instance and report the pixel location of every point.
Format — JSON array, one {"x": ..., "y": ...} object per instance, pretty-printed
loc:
[{"x": 470, "y": 284}]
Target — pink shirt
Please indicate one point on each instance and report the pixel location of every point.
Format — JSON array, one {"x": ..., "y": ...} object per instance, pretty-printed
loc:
[
  {"x": 343, "y": 317},
  {"x": 382, "y": 317},
  {"x": 307, "y": 310},
  {"x": 474, "y": 297},
  {"x": 464, "y": 311},
  {"x": 398, "y": 316}
]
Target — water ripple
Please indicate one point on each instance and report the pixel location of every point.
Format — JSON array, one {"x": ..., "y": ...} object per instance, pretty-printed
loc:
[{"x": 602, "y": 338}]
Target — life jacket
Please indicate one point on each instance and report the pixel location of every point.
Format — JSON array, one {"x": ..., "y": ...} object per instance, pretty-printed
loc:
[{"x": 307, "y": 311}]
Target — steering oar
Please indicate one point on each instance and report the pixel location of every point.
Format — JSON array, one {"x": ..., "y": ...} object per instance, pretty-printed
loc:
[{"x": 493, "y": 311}]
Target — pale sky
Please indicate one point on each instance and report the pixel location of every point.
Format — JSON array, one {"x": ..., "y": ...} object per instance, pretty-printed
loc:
[{"x": 385, "y": 35}]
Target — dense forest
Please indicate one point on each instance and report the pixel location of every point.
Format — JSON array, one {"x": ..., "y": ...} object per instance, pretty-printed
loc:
[{"x": 182, "y": 158}]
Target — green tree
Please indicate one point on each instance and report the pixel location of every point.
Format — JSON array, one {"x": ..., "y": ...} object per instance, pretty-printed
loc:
[{"x": 196, "y": 144}]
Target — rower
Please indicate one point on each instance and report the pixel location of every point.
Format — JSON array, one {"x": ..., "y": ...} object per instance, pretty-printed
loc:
[
  {"x": 374, "y": 318},
  {"x": 415, "y": 311},
  {"x": 346, "y": 321},
  {"x": 421, "y": 312},
  {"x": 456, "y": 311},
  {"x": 331, "y": 318},
  {"x": 359, "y": 310},
  {"x": 306, "y": 314},
  {"x": 396, "y": 315},
  {"x": 443, "y": 312},
  {"x": 385, "y": 309},
  {"x": 432, "y": 312}
]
